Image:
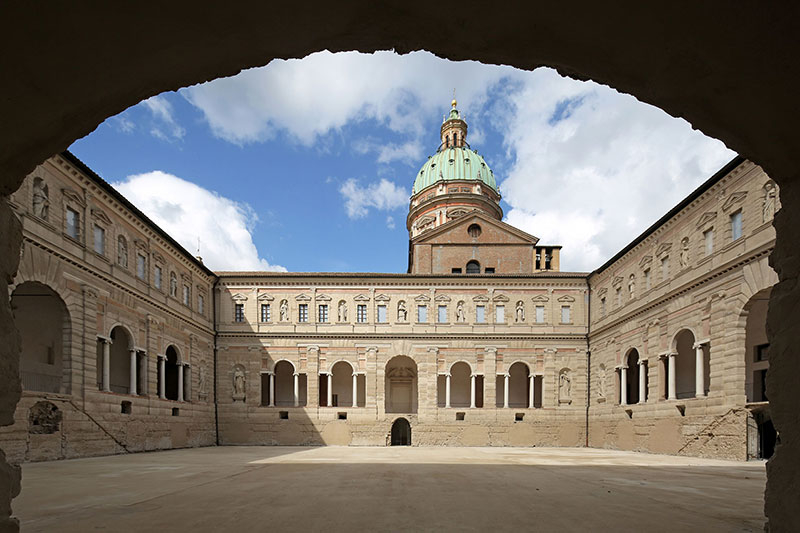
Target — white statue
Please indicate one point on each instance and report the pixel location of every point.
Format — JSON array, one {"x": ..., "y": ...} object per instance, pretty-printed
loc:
[
  {"x": 41, "y": 198},
  {"x": 173, "y": 285},
  {"x": 520, "y": 312},
  {"x": 342, "y": 311},
  {"x": 284, "y": 311},
  {"x": 202, "y": 380},
  {"x": 239, "y": 381},
  {"x": 460, "y": 316},
  {"x": 122, "y": 253},
  {"x": 684, "y": 256},
  {"x": 770, "y": 199},
  {"x": 601, "y": 386},
  {"x": 402, "y": 313},
  {"x": 564, "y": 386},
  {"x": 631, "y": 286}
]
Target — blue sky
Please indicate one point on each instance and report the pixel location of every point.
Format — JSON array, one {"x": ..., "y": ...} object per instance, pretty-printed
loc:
[{"x": 307, "y": 165}]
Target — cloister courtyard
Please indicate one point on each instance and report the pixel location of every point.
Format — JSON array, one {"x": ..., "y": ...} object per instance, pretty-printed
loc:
[{"x": 250, "y": 488}]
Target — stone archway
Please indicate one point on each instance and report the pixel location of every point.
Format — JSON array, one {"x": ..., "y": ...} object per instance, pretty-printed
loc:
[
  {"x": 401, "y": 433},
  {"x": 618, "y": 44}
]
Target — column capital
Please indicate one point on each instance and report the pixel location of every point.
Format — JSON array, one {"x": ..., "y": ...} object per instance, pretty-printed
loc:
[
  {"x": 104, "y": 339},
  {"x": 490, "y": 349},
  {"x": 701, "y": 343},
  {"x": 161, "y": 356},
  {"x": 268, "y": 372}
]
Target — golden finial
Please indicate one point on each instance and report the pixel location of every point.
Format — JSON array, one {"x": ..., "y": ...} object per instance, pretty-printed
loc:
[{"x": 454, "y": 103}]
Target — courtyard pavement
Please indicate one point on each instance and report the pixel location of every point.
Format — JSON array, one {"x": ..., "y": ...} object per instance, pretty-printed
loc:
[{"x": 251, "y": 488}]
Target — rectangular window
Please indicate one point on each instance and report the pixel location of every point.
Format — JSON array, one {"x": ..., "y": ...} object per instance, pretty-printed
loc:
[
  {"x": 422, "y": 313},
  {"x": 664, "y": 268},
  {"x": 736, "y": 225},
  {"x": 99, "y": 240},
  {"x": 618, "y": 296},
  {"x": 455, "y": 270},
  {"x": 322, "y": 312},
  {"x": 73, "y": 223},
  {"x": 647, "y": 279},
  {"x": 187, "y": 294},
  {"x": 500, "y": 314},
  {"x": 141, "y": 266},
  {"x": 565, "y": 314},
  {"x": 441, "y": 315},
  {"x": 265, "y": 313},
  {"x": 708, "y": 237},
  {"x": 157, "y": 277},
  {"x": 238, "y": 312},
  {"x": 201, "y": 304},
  {"x": 361, "y": 313},
  {"x": 489, "y": 270},
  {"x": 480, "y": 314},
  {"x": 382, "y": 314},
  {"x": 540, "y": 314},
  {"x": 302, "y": 310},
  {"x": 602, "y": 306}
]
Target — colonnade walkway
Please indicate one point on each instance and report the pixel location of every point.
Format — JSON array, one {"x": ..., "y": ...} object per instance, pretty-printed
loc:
[{"x": 248, "y": 488}]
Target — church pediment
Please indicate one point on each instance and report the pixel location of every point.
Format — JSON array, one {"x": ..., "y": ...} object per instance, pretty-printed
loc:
[{"x": 455, "y": 232}]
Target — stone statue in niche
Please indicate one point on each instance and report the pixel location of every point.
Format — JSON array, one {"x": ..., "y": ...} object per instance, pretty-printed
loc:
[
  {"x": 684, "y": 255},
  {"x": 122, "y": 253},
  {"x": 173, "y": 285},
  {"x": 342, "y": 311},
  {"x": 460, "y": 315},
  {"x": 564, "y": 387},
  {"x": 402, "y": 313},
  {"x": 770, "y": 199},
  {"x": 519, "y": 315},
  {"x": 631, "y": 286},
  {"x": 239, "y": 383},
  {"x": 284, "y": 311},
  {"x": 202, "y": 381},
  {"x": 601, "y": 385},
  {"x": 41, "y": 198}
]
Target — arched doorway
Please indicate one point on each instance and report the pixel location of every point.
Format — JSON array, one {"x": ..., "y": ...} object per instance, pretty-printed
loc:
[
  {"x": 171, "y": 374},
  {"x": 44, "y": 326},
  {"x": 120, "y": 360},
  {"x": 632, "y": 377},
  {"x": 401, "y": 433},
  {"x": 761, "y": 434},
  {"x": 685, "y": 366},
  {"x": 401, "y": 385}
]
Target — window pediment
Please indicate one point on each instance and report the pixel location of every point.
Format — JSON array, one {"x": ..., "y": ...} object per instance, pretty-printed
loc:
[
  {"x": 706, "y": 218},
  {"x": 99, "y": 215},
  {"x": 663, "y": 249},
  {"x": 239, "y": 297},
  {"x": 442, "y": 298},
  {"x": 422, "y": 298},
  {"x": 617, "y": 282},
  {"x": 382, "y": 298},
  {"x": 500, "y": 298},
  {"x": 264, "y": 297},
  {"x": 159, "y": 258},
  {"x": 361, "y": 298},
  {"x": 322, "y": 298},
  {"x": 646, "y": 260},
  {"x": 480, "y": 298},
  {"x": 733, "y": 199},
  {"x": 541, "y": 298},
  {"x": 566, "y": 298},
  {"x": 302, "y": 297},
  {"x": 72, "y": 196},
  {"x": 602, "y": 292}
]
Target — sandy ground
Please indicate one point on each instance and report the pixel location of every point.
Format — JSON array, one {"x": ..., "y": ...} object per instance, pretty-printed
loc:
[{"x": 391, "y": 489}]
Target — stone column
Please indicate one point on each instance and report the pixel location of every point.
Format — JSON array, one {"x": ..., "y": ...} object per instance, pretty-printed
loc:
[
  {"x": 296, "y": 389},
  {"x": 505, "y": 390},
  {"x": 671, "y": 377},
  {"x": 472, "y": 391},
  {"x": 187, "y": 377},
  {"x": 447, "y": 391},
  {"x": 355, "y": 389},
  {"x": 162, "y": 374},
  {"x": 531, "y": 390},
  {"x": 642, "y": 381},
  {"x": 699, "y": 371},
  {"x": 107, "y": 365},
  {"x": 330, "y": 389},
  {"x": 133, "y": 383},
  {"x": 180, "y": 382},
  {"x": 623, "y": 385},
  {"x": 271, "y": 378}
]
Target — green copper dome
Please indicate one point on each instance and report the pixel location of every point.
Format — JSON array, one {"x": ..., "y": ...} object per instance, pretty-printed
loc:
[{"x": 454, "y": 163}]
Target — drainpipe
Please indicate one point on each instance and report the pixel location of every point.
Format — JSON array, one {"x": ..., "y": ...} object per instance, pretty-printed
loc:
[
  {"x": 214, "y": 325},
  {"x": 588, "y": 358}
]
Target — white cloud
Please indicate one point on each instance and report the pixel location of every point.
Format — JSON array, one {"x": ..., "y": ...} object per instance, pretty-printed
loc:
[
  {"x": 593, "y": 168},
  {"x": 124, "y": 124},
  {"x": 187, "y": 212},
  {"x": 384, "y": 195},
  {"x": 390, "y": 222},
  {"x": 165, "y": 126},
  {"x": 321, "y": 93}
]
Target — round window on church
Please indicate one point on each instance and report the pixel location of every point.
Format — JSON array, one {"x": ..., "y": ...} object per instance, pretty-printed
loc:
[{"x": 474, "y": 230}]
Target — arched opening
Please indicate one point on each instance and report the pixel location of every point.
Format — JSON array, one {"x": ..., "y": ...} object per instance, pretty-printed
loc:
[
  {"x": 519, "y": 385},
  {"x": 345, "y": 383},
  {"x": 685, "y": 364},
  {"x": 473, "y": 267},
  {"x": 171, "y": 374},
  {"x": 43, "y": 322},
  {"x": 761, "y": 434},
  {"x": 284, "y": 384},
  {"x": 120, "y": 360},
  {"x": 631, "y": 391},
  {"x": 401, "y": 385},
  {"x": 401, "y": 433},
  {"x": 460, "y": 385}
]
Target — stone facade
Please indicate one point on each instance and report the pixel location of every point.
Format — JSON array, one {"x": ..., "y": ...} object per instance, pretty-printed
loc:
[
  {"x": 664, "y": 344},
  {"x": 368, "y": 333},
  {"x": 669, "y": 317},
  {"x": 86, "y": 299}
]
